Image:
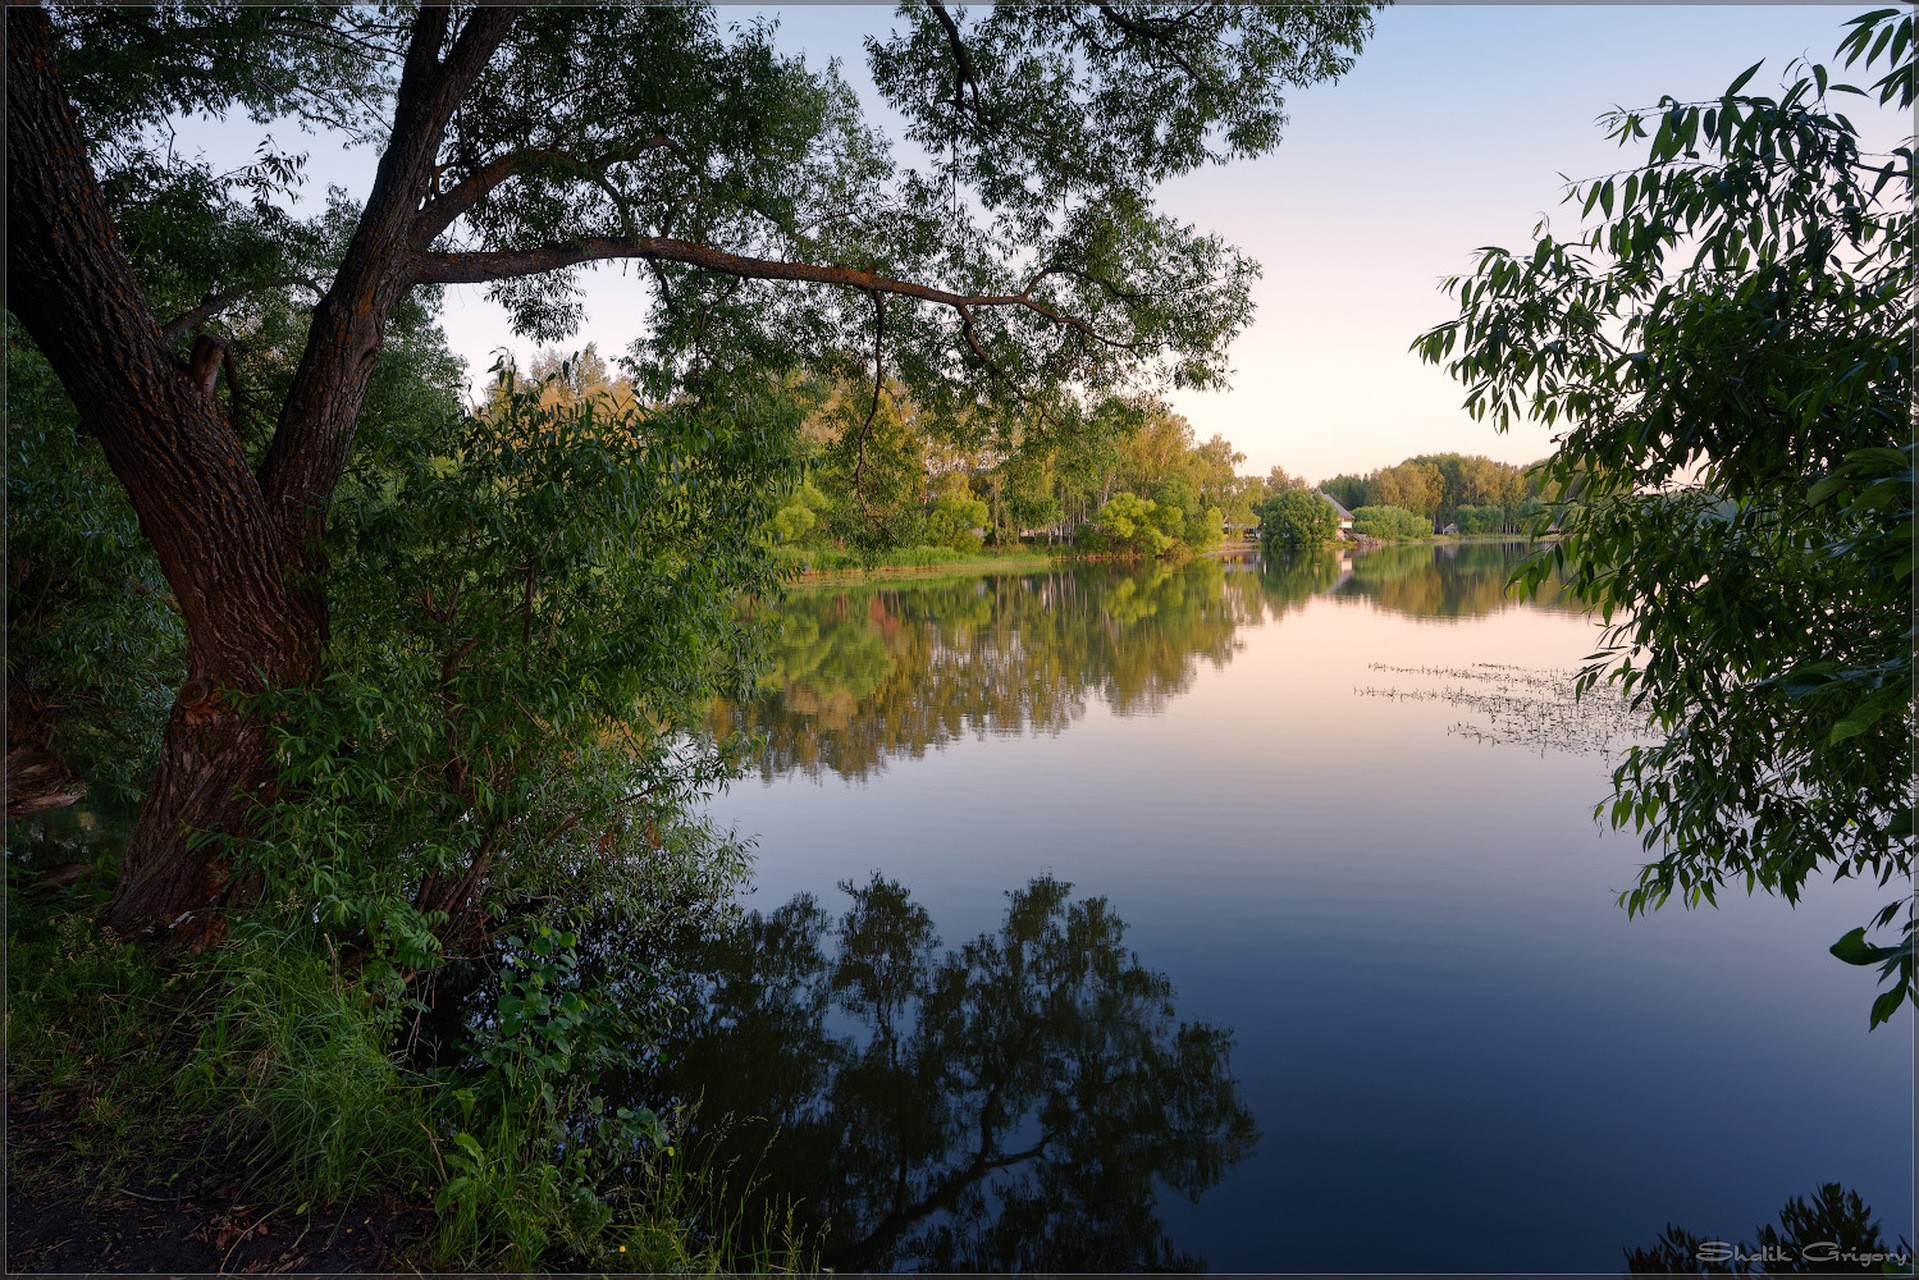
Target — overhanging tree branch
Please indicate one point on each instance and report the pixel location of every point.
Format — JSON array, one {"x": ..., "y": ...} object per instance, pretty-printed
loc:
[{"x": 486, "y": 267}]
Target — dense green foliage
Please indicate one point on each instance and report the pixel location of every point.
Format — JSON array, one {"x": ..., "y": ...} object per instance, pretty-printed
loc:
[
  {"x": 508, "y": 723},
  {"x": 956, "y": 520},
  {"x": 799, "y": 515},
  {"x": 90, "y": 628},
  {"x": 534, "y": 607},
  {"x": 1440, "y": 485},
  {"x": 1728, "y": 349},
  {"x": 1390, "y": 524},
  {"x": 499, "y": 764},
  {"x": 272, "y": 1062},
  {"x": 876, "y": 486},
  {"x": 1297, "y": 518},
  {"x": 1490, "y": 519},
  {"x": 1129, "y": 525}
]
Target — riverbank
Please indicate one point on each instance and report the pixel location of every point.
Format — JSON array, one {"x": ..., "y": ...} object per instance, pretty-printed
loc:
[
  {"x": 251, "y": 1109},
  {"x": 833, "y": 565},
  {"x": 114, "y": 1162},
  {"x": 922, "y": 562},
  {"x": 1365, "y": 542}
]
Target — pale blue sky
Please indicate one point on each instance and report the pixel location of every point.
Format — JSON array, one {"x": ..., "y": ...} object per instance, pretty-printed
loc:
[{"x": 1451, "y": 132}]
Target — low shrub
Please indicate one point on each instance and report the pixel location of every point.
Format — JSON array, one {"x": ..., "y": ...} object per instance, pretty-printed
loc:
[{"x": 1391, "y": 524}]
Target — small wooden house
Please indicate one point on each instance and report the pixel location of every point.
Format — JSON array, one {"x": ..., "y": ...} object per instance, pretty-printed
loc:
[{"x": 1345, "y": 516}]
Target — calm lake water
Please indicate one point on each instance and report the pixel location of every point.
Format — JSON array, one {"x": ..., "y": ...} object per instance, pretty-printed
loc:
[{"x": 1254, "y": 919}]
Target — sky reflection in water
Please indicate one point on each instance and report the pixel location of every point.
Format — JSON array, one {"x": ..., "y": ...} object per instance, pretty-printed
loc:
[{"x": 1457, "y": 1050}]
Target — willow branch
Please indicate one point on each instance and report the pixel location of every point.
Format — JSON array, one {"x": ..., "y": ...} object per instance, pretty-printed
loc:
[
  {"x": 487, "y": 267},
  {"x": 439, "y": 213},
  {"x": 879, "y": 385},
  {"x": 214, "y": 303}
]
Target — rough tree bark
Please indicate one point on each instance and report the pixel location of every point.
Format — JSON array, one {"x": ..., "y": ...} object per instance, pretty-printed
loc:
[
  {"x": 238, "y": 548},
  {"x": 170, "y": 444}
]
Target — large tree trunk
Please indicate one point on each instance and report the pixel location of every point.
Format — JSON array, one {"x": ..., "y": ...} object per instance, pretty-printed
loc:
[
  {"x": 240, "y": 550},
  {"x": 170, "y": 444}
]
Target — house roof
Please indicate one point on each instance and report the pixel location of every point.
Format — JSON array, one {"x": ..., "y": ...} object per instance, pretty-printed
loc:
[{"x": 1343, "y": 513}]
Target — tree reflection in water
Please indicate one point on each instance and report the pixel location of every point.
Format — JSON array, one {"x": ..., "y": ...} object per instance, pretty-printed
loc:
[
  {"x": 1831, "y": 1232},
  {"x": 1444, "y": 580},
  {"x": 1012, "y": 1105},
  {"x": 861, "y": 675}
]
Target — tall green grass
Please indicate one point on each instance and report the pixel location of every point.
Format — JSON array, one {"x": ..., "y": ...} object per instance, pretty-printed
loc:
[
  {"x": 700, "y": 1201},
  {"x": 295, "y": 1063},
  {"x": 833, "y": 562},
  {"x": 279, "y": 1061},
  {"x": 94, "y": 1033}
]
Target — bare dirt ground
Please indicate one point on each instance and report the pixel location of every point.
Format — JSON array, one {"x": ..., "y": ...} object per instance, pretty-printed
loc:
[{"x": 200, "y": 1224}]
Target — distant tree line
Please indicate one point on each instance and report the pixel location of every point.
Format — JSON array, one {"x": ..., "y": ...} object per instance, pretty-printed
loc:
[
  {"x": 1475, "y": 493},
  {"x": 1122, "y": 475}
]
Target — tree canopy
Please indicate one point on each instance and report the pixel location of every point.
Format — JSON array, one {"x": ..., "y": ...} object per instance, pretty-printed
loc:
[
  {"x": 1017, "y": 267},
  {"x": 1298, "y": 518},
  {"x": 1438, "y": 485},
  {"x": 1728, "y": 348}
]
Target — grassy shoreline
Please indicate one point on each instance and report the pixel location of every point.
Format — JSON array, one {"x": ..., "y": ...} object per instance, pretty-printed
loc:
[
  {"x": 912, "y": 562},
  {"x": 246, "y": 1110},
  {"x": 845, "y": 566}
]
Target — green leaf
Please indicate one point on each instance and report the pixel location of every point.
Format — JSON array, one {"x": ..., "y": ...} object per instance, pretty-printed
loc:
[
  {"x": 450, "y": 1192},
  {"x": 1744, "y": 78},
  {"x": 1854, "y": 949},
  {"x": 1858, "y": 722}
]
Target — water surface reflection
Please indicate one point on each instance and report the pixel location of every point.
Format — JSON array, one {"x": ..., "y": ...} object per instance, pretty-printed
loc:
[
  {"x": 1016, "y": 1104},
  {"x": 863, "y": 674},
  {"x": 1334, "y": 800}
]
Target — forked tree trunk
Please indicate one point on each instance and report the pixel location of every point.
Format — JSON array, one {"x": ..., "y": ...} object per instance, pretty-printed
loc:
[
  {"x": 171, "y": 445},
  {"x": 238, "y": 548}
]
